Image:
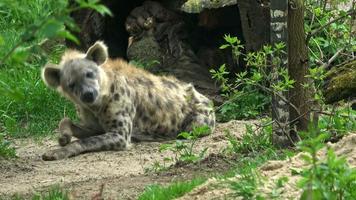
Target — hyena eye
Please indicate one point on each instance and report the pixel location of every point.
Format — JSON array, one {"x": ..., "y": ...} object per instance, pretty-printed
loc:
[
  {"x": 71, "y": 86},
  {"x": 89, "y": 75}
]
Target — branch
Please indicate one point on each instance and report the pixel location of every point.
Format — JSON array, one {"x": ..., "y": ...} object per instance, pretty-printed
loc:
[
  {"x": 327, "y": 64},
  {"x": 330, "y": 114},
  {"x": 351, "y": 12},
  {"x": 279, "y": 95},
  {"x": 2, "y": 61}
]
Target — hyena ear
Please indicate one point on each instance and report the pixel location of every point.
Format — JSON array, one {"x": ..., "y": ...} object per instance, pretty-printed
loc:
[
  {"x": 98, "y": 53},
  {"x": 51, "y": 75}
]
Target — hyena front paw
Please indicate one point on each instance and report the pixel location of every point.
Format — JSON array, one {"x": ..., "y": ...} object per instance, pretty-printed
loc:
[
  {"x": 56, "y": 154},
  {"x": 64, "y": 139},
  {"x": 65, "y": 132}
]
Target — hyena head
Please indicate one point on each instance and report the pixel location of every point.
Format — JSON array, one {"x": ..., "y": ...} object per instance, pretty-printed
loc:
[{"x": 78, "y": 76}]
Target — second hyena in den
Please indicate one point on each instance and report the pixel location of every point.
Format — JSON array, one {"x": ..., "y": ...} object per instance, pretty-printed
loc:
[{"x": 116, "y": 101}]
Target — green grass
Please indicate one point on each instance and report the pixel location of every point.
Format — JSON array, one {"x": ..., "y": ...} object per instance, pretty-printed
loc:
[
  {"x": 246, "y": 166},
  {"x": 27, "y": 107},
  {"x": 6, "y": 151},
  {"x": 178, "y": 189},
  {"x": 247, "y": 159},
  {"x": 55, "y": 193}
]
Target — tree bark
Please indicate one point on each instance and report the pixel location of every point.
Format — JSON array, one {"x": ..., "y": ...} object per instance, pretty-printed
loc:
[
  {"x": 298, "y": 67},
  {"x": 280, "y": 109}
]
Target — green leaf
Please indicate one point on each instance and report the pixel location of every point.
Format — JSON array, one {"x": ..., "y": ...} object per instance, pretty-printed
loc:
[
  {"x": 52, "y": 28},
  {"x": 165, "y": 147},
  {"x": 311, "y": 194},
  {"x": 67, "y": 35},
  {"x": 1, "y": 40},
  {"x": 184, "y": 135},
  {"x": 230, "y": 40},
  {"x": 224, "y": 46},
  {"x": 103, "y": 10}
]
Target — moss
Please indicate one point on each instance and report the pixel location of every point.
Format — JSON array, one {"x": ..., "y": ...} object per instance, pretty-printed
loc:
[
  {"x": 340, "y": 82},
  {"x": 196, "y": 6}
]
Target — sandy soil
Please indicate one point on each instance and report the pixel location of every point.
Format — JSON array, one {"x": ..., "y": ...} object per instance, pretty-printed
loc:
[
  {"x": 122, "y": 174},
  {"x": 271, "y": 172}
]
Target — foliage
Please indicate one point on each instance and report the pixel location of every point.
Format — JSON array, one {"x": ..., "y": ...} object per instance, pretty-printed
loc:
[
  {"x": 175, "y": 190},
  {"x": 250, "y": 92},
  {"x": 28, "y": 31},
  {"x": 330, "y": 39},
  {"x": 247, "y": 185},
  {"x": 248, "y": 179},
  {"x": 6, "y": 151},
  {"x": 338, "y": 122},
  {"x": 278, "y": 189},
  {"x": 147, "y": 65},
  {"x": 329, "y": 43},
  {"x": 330, "y": 179},
  {"x": 253, "y": 141},
  {"x": 252, "y": 150},
  {"x": 184, "y": 150},
  {"x": 54, "y": 193}
]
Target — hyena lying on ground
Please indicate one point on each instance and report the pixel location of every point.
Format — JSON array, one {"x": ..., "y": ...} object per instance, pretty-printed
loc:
[{"x": 116, "y": 101}]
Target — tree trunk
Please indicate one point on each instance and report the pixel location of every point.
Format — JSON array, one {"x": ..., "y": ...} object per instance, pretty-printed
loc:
[
  {"x": 298, "y": 68},
  {"x": 280, "y": 109}
]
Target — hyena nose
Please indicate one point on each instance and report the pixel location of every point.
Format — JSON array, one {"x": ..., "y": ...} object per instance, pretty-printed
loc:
[{"x": 88, "y": 97}]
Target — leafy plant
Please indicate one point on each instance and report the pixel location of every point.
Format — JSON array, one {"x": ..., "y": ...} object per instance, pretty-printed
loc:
[
  {"x": 175, "y": 190},
  {"x": 278, "y": 189},
  {"x": 325, "y": 40},
  {"x": 54, "y": 193},
  {"x": 339, "y": 121},
  {"x": 157, "y": 166},
  {"x": 330, "y": 179},
  {"x": 31, "y": 33},
  {"x": 248, "y": 179},
  {"x": 253, "y": 141},
  {"x": 246, "y": 186},
  {"x": 249, "y": 94},
  {"x": 6, "y": 151},
  {"x": 184, "y": 150}
]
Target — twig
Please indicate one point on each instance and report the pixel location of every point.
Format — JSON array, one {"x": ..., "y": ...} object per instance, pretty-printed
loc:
[
  {"x": 299, "y": 116},
  {"x": 279, "y": 95},
  {"x": 327, "y": 64},
  {"x": 324, "y": 5},
  {"x": 2, "y": 61},
  {"x": 321, "y": 51},
  {"x": 330, "y": 114},
  {"x": 351, "y": 12},
  {"x": 259, "y": 126}
]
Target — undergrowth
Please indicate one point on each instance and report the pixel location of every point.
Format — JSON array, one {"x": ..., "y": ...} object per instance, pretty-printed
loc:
[
  {"x": 54, "y": 193},
  {"x": 174, "y": 190},
  {"x": 6, "y": 151},
  {"x": 183, "y": 149},
  {"x": 32, "y": 33},
  {"x": 328, "y": 178}
]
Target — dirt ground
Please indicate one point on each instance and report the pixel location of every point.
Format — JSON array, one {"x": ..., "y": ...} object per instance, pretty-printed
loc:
[
  {"x": 270, "y": 172},
  {"x": 122, "y": 173}
]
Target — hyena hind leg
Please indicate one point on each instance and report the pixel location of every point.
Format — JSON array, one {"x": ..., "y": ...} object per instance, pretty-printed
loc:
[{"x": 67, "y": 129}]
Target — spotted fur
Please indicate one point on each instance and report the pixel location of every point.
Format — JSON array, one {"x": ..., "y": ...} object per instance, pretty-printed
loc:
[{"x": 117, "y": 101}]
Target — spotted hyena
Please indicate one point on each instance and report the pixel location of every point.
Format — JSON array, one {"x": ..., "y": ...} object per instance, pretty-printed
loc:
[{"x": 116, "y": 101}]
